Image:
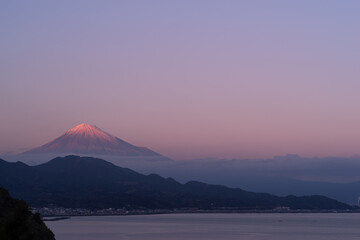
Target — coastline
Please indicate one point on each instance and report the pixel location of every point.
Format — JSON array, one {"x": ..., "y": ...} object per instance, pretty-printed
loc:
[
  {"x": 159, "y": 212},
  {"x": 52, "y": 219}
]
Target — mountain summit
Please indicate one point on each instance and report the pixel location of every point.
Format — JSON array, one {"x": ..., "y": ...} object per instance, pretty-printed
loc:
[{"x": 91, "y": 140}]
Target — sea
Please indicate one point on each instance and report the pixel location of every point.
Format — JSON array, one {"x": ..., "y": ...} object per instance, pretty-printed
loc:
[{"x": 209, "y": 226}]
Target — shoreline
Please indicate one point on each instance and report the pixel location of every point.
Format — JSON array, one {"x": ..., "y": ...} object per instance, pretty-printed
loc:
[
  {"x": 52, "y": 219},
  {"x": 68, "y": 216}
]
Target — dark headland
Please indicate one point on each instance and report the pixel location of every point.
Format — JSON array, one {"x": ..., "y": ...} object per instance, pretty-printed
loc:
[{"x": 17, "y": 222}]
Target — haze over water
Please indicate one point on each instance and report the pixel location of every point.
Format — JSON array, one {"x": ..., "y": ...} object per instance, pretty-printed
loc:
[{"x": 210, "y": 227}]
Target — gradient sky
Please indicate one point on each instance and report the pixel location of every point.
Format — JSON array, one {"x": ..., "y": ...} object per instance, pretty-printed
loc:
[{"x": 189, "y": 79}]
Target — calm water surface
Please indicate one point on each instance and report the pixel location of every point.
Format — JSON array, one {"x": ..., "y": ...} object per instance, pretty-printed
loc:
[{"x": 211, "y": 226}]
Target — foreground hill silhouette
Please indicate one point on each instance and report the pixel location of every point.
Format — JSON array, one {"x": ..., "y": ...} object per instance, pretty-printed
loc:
[
  {"x": 17, "y": 222},
  {"x": 87, "y": 182}
]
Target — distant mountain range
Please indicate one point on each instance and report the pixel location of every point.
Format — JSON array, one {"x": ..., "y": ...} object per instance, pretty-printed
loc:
[
  {"x": 334, "y": 177},
  {"x": 87, "y": 182},
  {"x": 337, "y": 178}
]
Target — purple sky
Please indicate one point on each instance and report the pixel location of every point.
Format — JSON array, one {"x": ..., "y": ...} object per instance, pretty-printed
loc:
[{"x": 189, "y": 79}]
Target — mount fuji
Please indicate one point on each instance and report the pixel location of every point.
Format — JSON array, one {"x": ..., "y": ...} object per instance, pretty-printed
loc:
[{"x": 89, "y": 140}]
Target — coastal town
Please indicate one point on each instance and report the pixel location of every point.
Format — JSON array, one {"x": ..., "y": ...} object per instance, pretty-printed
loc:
[{"x": 61, "y": 211}]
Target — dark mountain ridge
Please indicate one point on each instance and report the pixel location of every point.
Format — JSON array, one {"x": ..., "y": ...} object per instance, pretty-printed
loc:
[{"x": 88, "y": 182}]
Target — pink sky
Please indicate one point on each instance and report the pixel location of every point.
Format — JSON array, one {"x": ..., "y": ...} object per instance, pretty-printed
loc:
[{"x": 189, "y": 79}]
